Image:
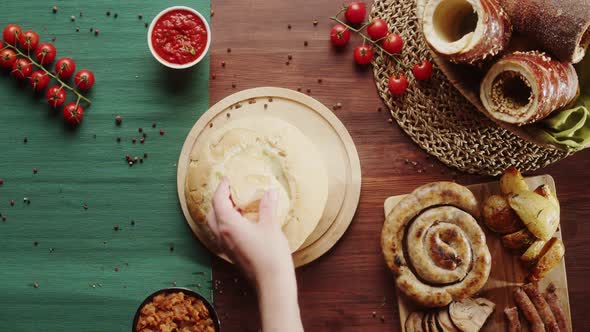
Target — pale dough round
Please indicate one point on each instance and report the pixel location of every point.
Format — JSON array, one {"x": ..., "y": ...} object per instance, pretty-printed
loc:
[{"x": 257, "y": 154}]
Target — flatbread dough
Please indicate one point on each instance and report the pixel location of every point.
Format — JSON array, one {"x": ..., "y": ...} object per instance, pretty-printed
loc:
[{"x": 257, "y": 154}]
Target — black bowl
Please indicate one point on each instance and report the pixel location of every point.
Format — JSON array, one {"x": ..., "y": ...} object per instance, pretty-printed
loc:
[{"x": 189, "y": 292}]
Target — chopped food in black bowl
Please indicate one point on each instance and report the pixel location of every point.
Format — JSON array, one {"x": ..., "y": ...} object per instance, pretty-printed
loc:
[{"x": 176, "y": 309}]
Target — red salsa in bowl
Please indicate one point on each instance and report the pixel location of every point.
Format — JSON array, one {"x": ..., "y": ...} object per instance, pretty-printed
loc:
[{"x": 179, "y": 37}]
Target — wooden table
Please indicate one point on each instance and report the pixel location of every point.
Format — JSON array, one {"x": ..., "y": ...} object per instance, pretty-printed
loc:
[{"x": 342, "y": 290}]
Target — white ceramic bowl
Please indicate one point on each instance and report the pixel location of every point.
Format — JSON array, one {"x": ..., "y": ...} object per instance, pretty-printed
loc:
[{"x": 175, "y": 65}]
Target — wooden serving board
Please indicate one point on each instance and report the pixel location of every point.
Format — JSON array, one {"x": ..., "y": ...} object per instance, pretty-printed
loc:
[
  {"x": 319, "y": 124},
  {"x": 507, "y": 271},
  {"x": 467, "y": 79}
]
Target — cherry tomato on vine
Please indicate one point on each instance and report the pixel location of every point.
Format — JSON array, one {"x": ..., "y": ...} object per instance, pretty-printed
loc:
[
  {"x": 28, "y": 40},
  {"x": 56, "y": 96},
  {"x": 84, "y": 79},
  {"x": 397, "y": 84},
  {"x": 355, "y": 12},
  {"x": 377, "y": 29},
  {"x": 65, "y": 68},
  {"x": 45, "y": 53},
  {"x": 423, "y": 70},
  {"x": 11, "y": 34},
  {"x": 22, "y": 68},
  {"x": 393, "y": 43},
  {"x": 339, "y": 35},
  {"x": 7, "y": 58},
  {"x": 39, "y": 80},
  {"x": 363, "y": 54},
  {"x": 73, "y": 114}
]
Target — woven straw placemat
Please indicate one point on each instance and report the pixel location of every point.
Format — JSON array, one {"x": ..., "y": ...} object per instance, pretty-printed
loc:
[{"x": 438, "y": 118}]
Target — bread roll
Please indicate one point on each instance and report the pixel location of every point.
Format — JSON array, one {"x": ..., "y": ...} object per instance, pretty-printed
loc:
[{"x": 258, "y": 154}]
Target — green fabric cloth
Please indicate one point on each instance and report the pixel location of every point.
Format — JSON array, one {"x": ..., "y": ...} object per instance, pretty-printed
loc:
[
  {"x": 570, "y": 128},
  {"x": 90, "y": 276}
]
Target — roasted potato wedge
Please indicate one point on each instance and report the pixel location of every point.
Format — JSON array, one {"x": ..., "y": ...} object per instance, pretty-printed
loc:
[
  {"x": 499, "y": 216},
  {"x": 545, "y": 191},
  {"x": 518, "y": 240},
  {"x": 512, "y": 182},
  {"x": 538, "y": 213},
  {"x": 534, "y": 252},
  {"x": 553, "y": 255}
]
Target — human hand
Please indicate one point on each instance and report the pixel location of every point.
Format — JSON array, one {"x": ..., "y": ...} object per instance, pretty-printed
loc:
[
  {"x": 259, "y": 248},
  {"x": 262, "y": 251}
]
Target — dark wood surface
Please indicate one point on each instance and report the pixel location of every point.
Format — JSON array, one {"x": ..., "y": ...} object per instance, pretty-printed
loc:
[{"x": 342, "y": 290}]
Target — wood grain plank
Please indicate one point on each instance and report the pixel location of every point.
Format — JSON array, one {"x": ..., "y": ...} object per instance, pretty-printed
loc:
[{"x": 340, "y": 291}]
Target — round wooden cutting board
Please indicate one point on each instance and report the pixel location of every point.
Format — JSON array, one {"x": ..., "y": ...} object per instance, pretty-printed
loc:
[{"x": 318, "y": 123}]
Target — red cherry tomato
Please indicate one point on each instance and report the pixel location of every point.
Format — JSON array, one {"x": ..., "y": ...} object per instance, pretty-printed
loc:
[
  {"x": 45, "y": 53},
  {"x": 363, "y": 54},
  {"x": 28, "y": 40},
  {"x": 39, "y": 80},
  {"x": 84, "y": 79},
  {"x": 377, "y": 29},
  {"x": 73, "y": 114},
  {"x": 423, "y": 70},
  {"x": 65, "y": 68},
  {"x": 339, "y": 35},
  {"x": 11, "y": 34},
  {"x": 355, "y": 12},
  {"x": 56, "y": 96},
  {"x": 7, "y": 58},
  {"x": 22, "y": 68},
  {"x": 393, "y": 43},
  {"x": 397, "y": 85}
]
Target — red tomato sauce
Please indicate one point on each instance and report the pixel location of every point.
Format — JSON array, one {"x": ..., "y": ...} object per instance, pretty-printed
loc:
[{"x": 179, "y": 37}]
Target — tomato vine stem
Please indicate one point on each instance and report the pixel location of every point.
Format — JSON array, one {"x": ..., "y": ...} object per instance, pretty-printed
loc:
[
  {"x": 63, "y": 85},
  {"x": 367, "y": 38}
]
